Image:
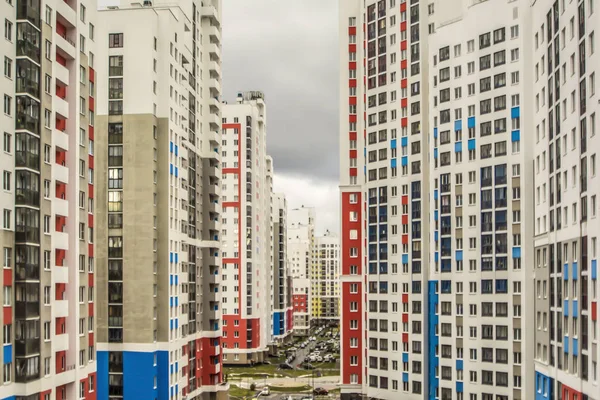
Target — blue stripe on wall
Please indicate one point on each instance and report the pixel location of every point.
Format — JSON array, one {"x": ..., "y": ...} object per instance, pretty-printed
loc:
[
  {"x": 432, "y": 339},
  {"x": 102, "y": 374}
]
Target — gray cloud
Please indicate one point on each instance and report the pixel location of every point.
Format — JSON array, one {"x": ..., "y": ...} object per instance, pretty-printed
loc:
[{"x": 288, "y": 49}]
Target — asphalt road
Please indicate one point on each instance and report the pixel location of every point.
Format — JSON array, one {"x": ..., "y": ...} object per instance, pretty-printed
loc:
[{"x": 302, "y": 353}]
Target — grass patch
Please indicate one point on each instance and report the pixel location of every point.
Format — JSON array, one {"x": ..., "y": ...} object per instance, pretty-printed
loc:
[
  {"x": 291, "y": 389},
  {"x": 235, "y": 391}
]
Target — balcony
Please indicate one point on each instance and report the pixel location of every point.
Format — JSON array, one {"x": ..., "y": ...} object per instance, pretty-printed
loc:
[
  {"x": 60, "y": 106},
  {"x": 64, "y": 11},
  {"x": 60, "y": 206},
  {"x": 60, "y": 308},
  {"x": 215, "y": 122},
  {"x": 214, "y": 50},
  {"x": 61, "y": 73},
  {"x": 214, "y": 67},
  {"x": 60, "y": 173},
  {"x": 215, "y": 33},
  {"x": 60, "y": 342},
  {"x": 214, "y": 103},
  {"x": 65, "y": 47},
  {"x": 60, "y": 139},
  {"x": 61, "y": 274},
  {"x": 209, "y": 12},
  {"x": 215, "y": 86}
]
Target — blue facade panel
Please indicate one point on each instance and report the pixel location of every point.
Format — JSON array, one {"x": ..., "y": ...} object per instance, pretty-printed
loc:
[
  {"x": 575, "y": 347},
  {"x": 543, "y": 387},
  {"x": 404, "y": 258},
  {"x": 459, "y": 255},
  {"x": 575, "y": 309},
  {"x": 566, "y": 344},
  {"x": 516, "y": 252},
  {"x": 515, "y": 112},
  {"x": 394, "y": 163},
  {"x": 459, "y": 364},
  {"x": 405, "y": 377},
  {"x": 459, "y": 387},
  {"x": 594, "y": 269},
  {"x": 516, "y": 136},
  {"x": 566, "y": 271},
  {"x": 566, "y": 308},
  {"x": 471, "y": 145},
  {"x": 471, "y": 122},
  {"x": 404, "y": 160},
  {"x": 162, "y": 372},
  {"x": 435, "y": 133},
  {"x": 392, "y": 144},
  {"x": 102, "y": 375},
  {"x": 458, "y": 147},
  {"x": 574, "y": 273},
  {"x": 458, "y": 125},
  {"x": 404, "y": 141},
  {"x": 8, "y": 354},
  {"x": 432, "y": 339},
  {"x": 277, "y": 328},
  {"x": 435, "y": 153},
  {"x": 405, "y": 357}
]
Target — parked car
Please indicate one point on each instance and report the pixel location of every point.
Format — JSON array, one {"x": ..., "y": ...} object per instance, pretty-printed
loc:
[
  {"x": 285, "y": 366},
  {"x": 320, "y": 391},
  {"x": 266, "y": 391},
  {"x": 319, "y": 359}
]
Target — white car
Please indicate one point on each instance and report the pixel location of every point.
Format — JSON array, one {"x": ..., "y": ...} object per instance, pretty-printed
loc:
[{"x": 319, "y": 359}]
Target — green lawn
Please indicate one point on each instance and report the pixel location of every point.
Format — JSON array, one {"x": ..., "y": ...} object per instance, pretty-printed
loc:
[{"x": 237, "y": 392}]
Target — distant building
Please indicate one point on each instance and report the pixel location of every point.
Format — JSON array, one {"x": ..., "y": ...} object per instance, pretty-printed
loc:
[
  {"x": 301, "y": 242},
  {"x": 325, "y": 278},
  {"x": 246, "y": 231},
  {"x": 282, "y": 323}
]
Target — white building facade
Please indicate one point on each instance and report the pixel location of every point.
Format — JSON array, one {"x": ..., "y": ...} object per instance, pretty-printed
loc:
[
  {"x": 246, "y": 230},
  {"x": 325, "y": 278},
  {"x": 301, "y": 239},
  {"x": 563, "y": 63}
]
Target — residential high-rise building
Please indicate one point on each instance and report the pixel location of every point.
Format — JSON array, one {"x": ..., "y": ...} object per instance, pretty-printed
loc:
[
  {"x": 325, "y": 276},
  {"x": 246, "y": 231},
  {"x": 441, "y": 99},
  {"x": 47, "y": 238},
  {"x": 159, "y": 201},
  {"x": 562, "y": 63},
  {"x": 301, "y": 239},
  {"x": 384, "y": 198},
  {"x": 480, "y": 304},
  {"x": 281, "y": 291}
]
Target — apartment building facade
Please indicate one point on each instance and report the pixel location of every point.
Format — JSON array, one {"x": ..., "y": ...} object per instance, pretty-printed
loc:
[
  {"x": 159, "y": 203},
  {"x": 563, "y": 66},
  {"x": 325, "y": 276},
  {"x": 246, "y": 231},
  {"x": 480, "y": 298},
  {"x": 281, "y": 290},
  {"x": 301, "y": 239},
  {"x": 48, "y": 200},
  {"x": 384, "y": 198}
]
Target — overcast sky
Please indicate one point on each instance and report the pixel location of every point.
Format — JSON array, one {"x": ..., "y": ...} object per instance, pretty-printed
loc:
[{"x": 288, "y": 50}]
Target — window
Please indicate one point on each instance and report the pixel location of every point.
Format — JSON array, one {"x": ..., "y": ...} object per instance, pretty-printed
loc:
[
  {"x": 7, "y": 104},
  {"x": 8, "y": 30},
  {"x": 115, "y": 40},
  {"x": 82, "y": 43},
  {"x": 48, "y": 19},
  {"x": 6, "y": 180},
  {"x": 7, "y": 142},
  {"x": 48, "y": 49},
  {"x": 7, "y": 67},
  {"x": 7, "y": 217}
]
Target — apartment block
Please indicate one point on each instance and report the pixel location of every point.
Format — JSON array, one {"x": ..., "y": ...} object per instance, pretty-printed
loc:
[
  {"x": 158, "y": 170},
  {"x": 246, "y": 231},
  {"x": 562, "y": 67},
  {"x": 282, "y": 322},
  {"x": 384, "y": 246},
  {"x": 301, "y": 241},
  {"x": 325, "y": 275},
  {"x": 480, "y": 298},
  {"x": 47, "y": 236}
]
